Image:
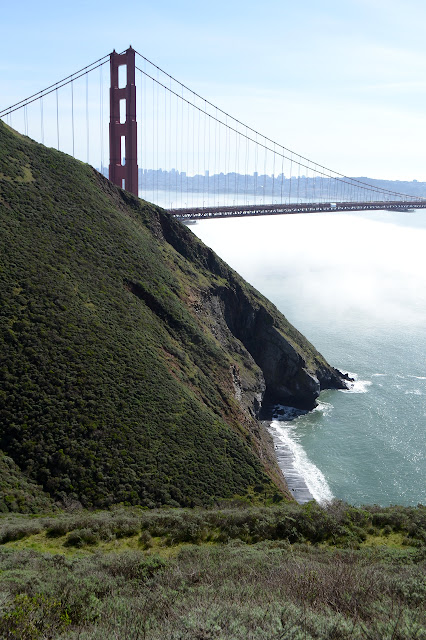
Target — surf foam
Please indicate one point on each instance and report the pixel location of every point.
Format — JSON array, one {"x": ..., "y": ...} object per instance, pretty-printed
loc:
[
  {"x": 295, "y": 463},
  {"x": 357, "y": 386}
]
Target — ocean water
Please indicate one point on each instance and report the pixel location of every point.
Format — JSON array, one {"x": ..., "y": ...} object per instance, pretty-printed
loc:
[{"x": 355, "y": 286}]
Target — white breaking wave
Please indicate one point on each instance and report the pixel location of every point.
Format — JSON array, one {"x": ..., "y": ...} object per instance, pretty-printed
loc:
[
  {"x": 324, "y": 407},
  {"x": 357, "y": 386},
  {"x": 313, "y": 477}
]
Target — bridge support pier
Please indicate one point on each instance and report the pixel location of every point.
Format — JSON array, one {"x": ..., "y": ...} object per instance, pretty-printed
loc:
[{"x": 123, "y": 135}]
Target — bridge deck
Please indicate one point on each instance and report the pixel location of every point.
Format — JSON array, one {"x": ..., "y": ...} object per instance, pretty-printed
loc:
[{"x": 241, "y": 210}]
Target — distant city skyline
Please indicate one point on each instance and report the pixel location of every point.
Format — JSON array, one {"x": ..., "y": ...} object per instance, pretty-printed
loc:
[
  {"x": 174, "y": 189},
  {"x": 413, "y": 183}
]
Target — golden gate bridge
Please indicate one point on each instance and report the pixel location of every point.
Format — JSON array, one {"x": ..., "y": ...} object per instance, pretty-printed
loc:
[{"x": 169, "y": 145}]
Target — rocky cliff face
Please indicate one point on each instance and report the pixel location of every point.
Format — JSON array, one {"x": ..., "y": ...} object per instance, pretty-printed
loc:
[
  {"x": 285, "y": 375},
  {"x": 275, "y": 364}
]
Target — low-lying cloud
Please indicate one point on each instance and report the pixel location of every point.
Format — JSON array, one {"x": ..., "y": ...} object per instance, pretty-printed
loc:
[{"x": 349, "y": 267}]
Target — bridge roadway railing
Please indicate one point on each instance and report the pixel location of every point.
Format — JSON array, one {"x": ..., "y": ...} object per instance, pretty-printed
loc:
[{"x": 241, "y": 210}]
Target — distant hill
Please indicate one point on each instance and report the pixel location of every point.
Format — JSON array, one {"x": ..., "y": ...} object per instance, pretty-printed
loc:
[
  {"x": 134, "y": 362},
  {"x": 406, "y": 187}
]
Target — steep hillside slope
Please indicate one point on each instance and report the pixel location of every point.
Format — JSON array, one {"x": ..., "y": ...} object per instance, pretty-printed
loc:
[
  {"x": 134, "y": 361},
  {"x": 17, "y": 493}
]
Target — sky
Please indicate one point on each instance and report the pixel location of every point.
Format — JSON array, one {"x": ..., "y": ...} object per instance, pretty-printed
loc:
[{"x": 341, "y": 82}]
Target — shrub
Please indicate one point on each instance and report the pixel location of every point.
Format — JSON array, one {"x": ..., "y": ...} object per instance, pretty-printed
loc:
[
  {"x": 145, "y": 540},
  {"x": 133, "y": 565},
  {"x": 18, "y": 531},
  {"x": 81, "y": 538},
  {"x": 125, "y": 527},
  {"x": 57, "y": 529},
  {"x": 33, "y": 618}
]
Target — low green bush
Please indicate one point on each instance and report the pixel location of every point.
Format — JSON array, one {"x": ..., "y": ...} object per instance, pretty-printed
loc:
[
  {"x": 81, "y": 538},
  {"x": 12, "y": 532}
]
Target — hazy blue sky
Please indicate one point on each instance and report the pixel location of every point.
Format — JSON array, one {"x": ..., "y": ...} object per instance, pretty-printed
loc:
[{"x": 342, "y": 82}]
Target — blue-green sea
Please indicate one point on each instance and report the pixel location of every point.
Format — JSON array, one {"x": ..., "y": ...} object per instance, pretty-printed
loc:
[{"x": 355, "y": 286}]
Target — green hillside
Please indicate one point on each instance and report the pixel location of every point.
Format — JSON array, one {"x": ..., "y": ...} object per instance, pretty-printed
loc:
[{"x": 133, "y": 360}]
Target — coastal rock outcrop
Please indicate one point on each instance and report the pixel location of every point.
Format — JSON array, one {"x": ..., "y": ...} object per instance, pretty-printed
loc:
[{"x": 289, "y": 376}]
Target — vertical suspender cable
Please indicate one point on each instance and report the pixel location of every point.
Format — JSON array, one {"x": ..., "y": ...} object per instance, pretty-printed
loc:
[
  {"x": 298, "y": 181},
  {"x": 191, "y": 180},
  {"x": 141, "y": 128},
  {"x": 181, "y": 153},
  {"x": 87, "y": 117},
  {"x": 247, "y": 180},
  {"x": 198, "y": 157},
  {"x": 227, "y": 162},
  {"x": 144, "y": 134},
  {"x": 72, "y": 117},
  {"x": 237, "y": 169},
  {"x": 187, "y": 154},
  {"x": 273, "y": 177},
  {"x": 218, "y": 163},
  {"x": 153, "y": 137},
  {"x": 255, "y": 170},
  {"x": 170, "y": 136},
  {"x": 226, "y": 158},
  {"x": 101, "y": 118},
  {"x": 306, "y": 183},
  {"x": 188, "y": 140},
  {"x": 214, "y": 161},
  {"x": 264, "y": 175},
  {"x": 231, "y": 163},
  {"x": 208, "y": 175},
  {"x": 157, "y": 173},
  {"x": 166, "y": 176},
  {"x": 178, "y": 128},
  {"x": 57, "y": 117},
  {"x": 246, "y": 165},
  {"x": 204, "y": 157},
  {"x": 41, "y": 120}
]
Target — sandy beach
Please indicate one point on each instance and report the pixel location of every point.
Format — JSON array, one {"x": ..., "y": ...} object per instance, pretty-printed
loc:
[{"x": 285, "y": 457}]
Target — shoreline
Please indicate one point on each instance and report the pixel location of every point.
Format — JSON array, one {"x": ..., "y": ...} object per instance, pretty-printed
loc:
[
  {"x": 285, "y": 458},
  {"x": 284, "y": 452}
]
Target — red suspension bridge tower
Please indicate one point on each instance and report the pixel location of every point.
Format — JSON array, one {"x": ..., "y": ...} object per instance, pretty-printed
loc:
[{"x": 123, "y": 155}]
